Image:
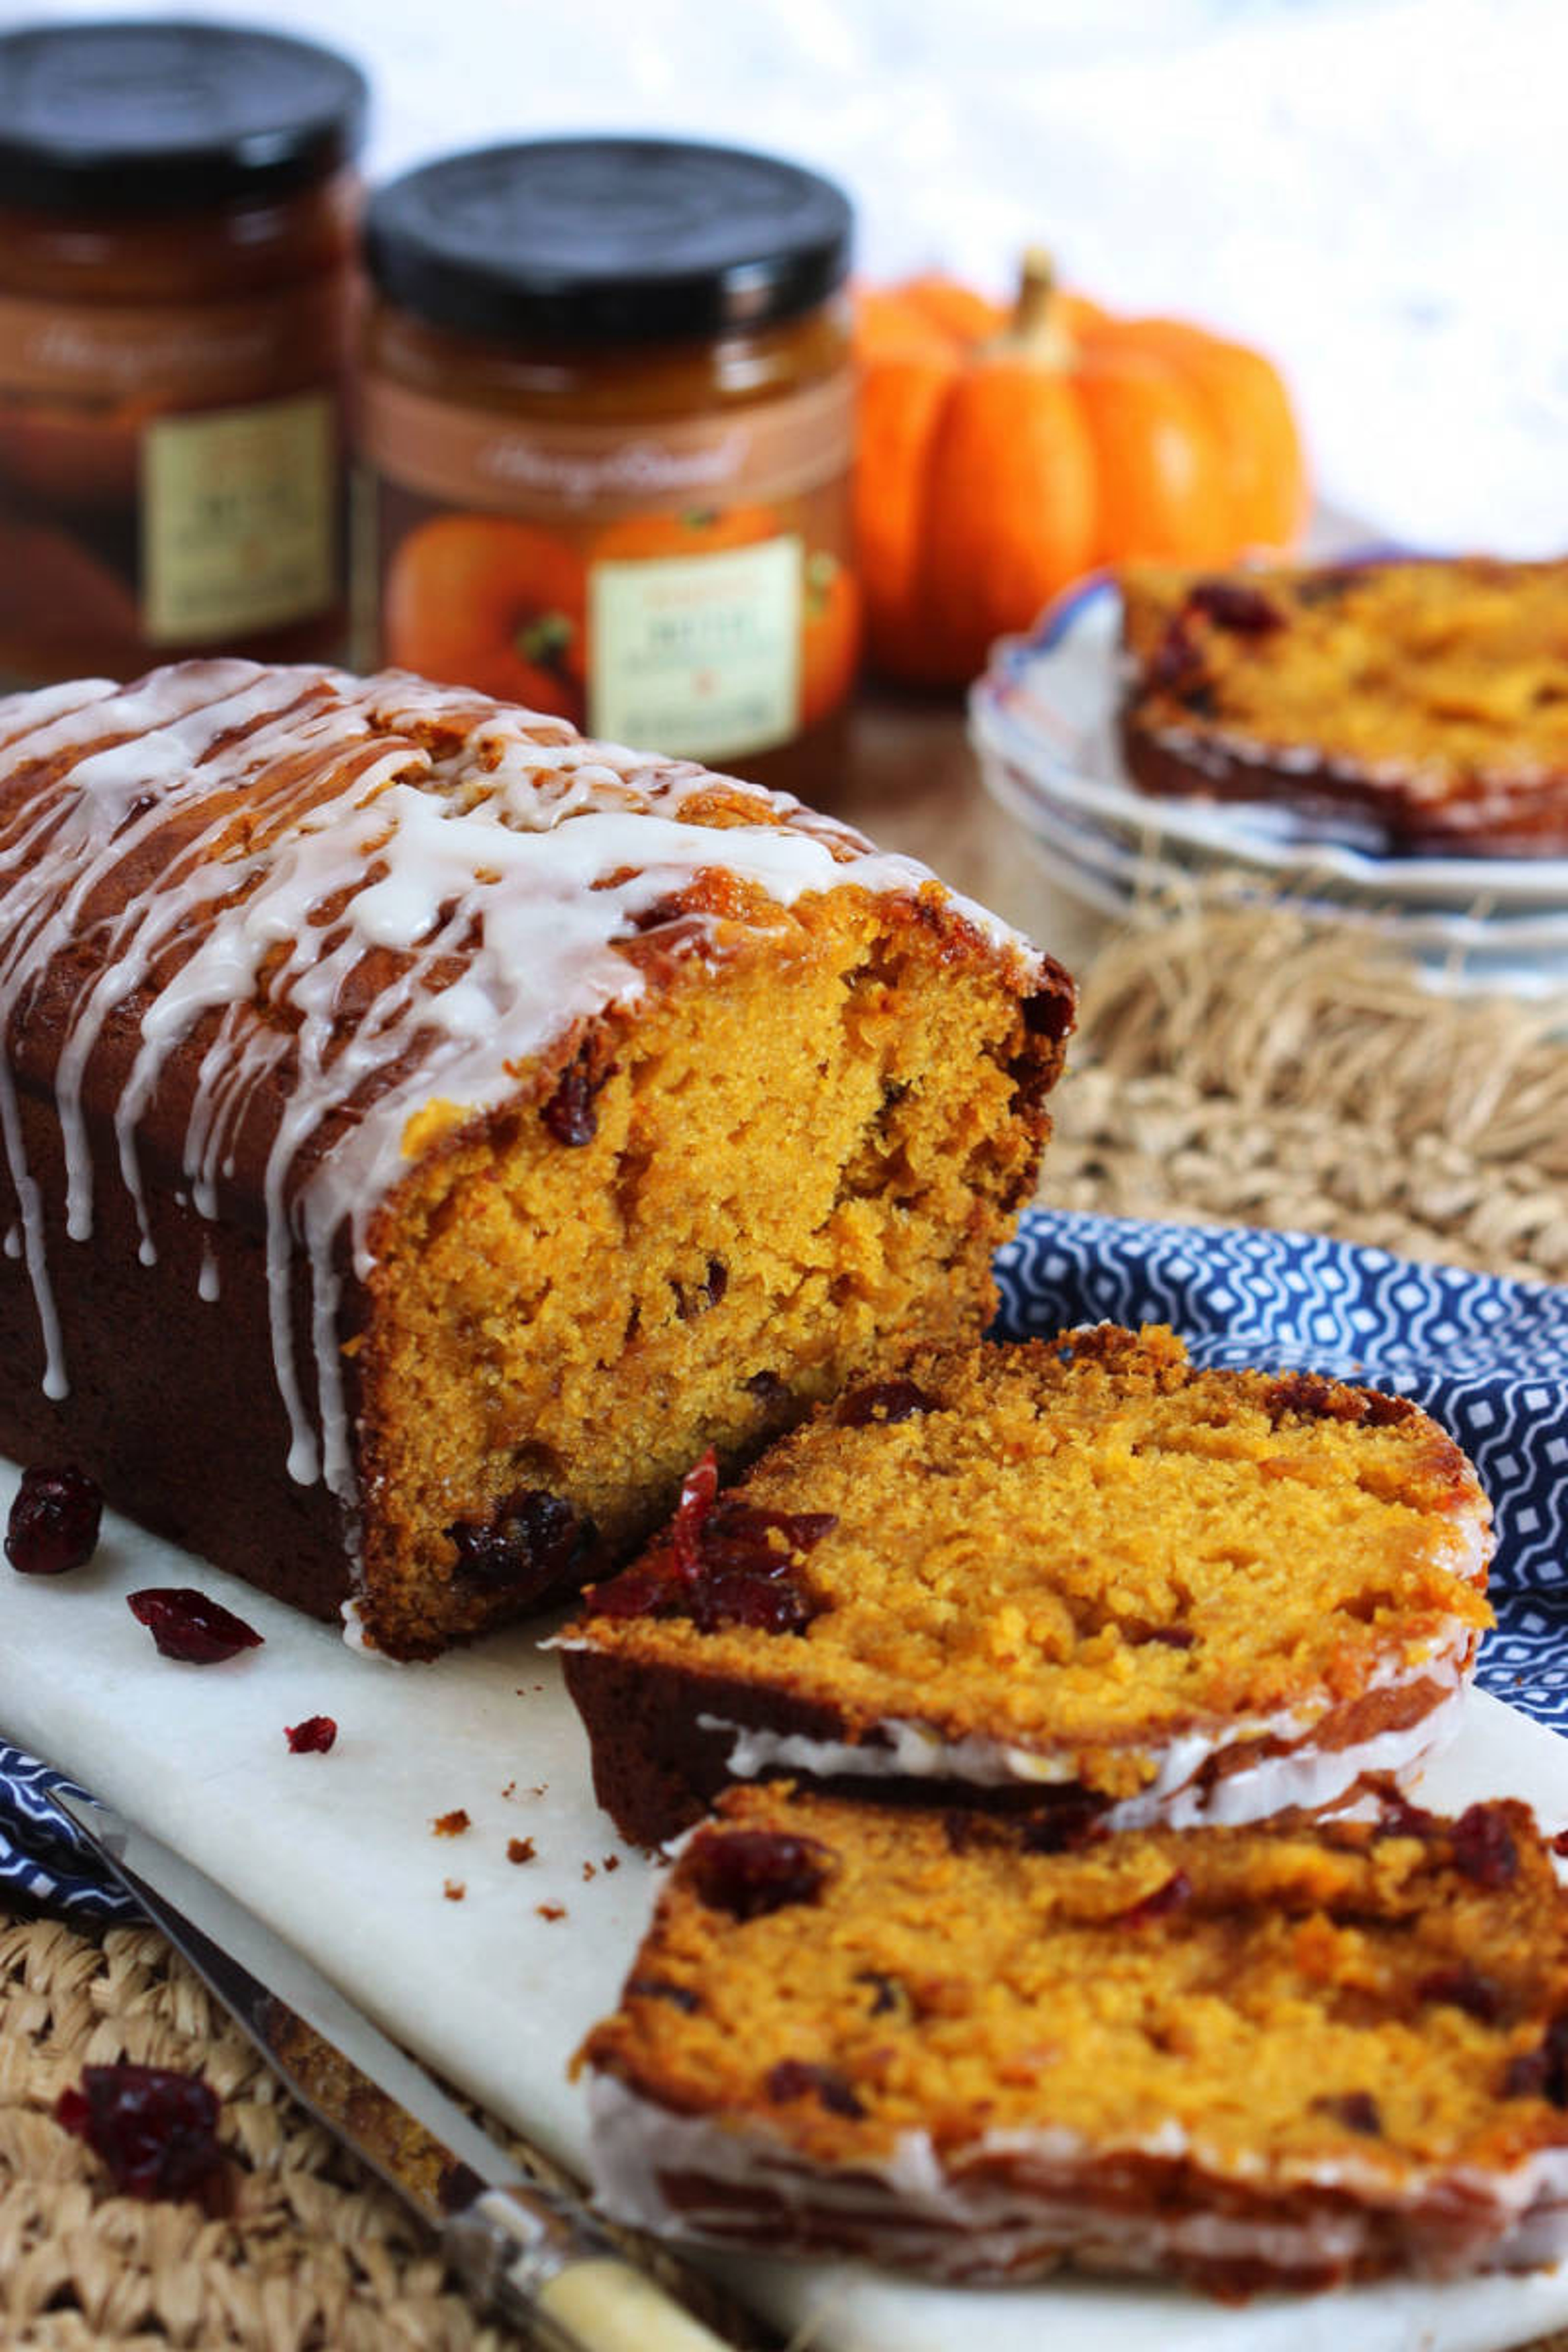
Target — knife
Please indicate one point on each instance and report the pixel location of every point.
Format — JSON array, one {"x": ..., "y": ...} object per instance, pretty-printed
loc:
[{"x": 529, "y": 2254}]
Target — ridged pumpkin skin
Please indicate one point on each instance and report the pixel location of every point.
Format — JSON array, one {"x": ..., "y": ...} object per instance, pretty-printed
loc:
[{"x": 1000, "y": 459}]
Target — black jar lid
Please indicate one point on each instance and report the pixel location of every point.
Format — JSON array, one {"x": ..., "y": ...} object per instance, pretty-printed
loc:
[
  {"x": 608, "y": 241},
  {"x": 165, "y": 116}
]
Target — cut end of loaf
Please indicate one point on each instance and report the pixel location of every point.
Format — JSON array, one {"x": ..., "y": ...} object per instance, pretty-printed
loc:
[{"x": 708, "y": 1218}]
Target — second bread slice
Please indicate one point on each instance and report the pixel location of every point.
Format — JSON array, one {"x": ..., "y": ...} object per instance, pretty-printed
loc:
[{"x": 1080, "y": 1575}]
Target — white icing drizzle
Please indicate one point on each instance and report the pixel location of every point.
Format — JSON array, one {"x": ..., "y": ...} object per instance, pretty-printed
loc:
[
  {"x": 209, "y": 1284},
  {"x": 494, "y": 856},
  {"x": 1012, "y": 2200}
]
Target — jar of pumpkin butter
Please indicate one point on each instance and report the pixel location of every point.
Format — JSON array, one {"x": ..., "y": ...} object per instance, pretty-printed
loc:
[
  {"x": 178, "y": 231},
  {"x": 607, "y": 421}
]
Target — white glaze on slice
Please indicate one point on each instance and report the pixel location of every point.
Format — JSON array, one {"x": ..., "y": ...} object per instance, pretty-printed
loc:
[
  {"x": 1176, "y": 1797},
  {"x": 1014, "y": 2202}
]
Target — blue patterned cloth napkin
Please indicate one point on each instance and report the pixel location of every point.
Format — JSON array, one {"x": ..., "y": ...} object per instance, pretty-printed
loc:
[{"x": 1487, "y": 1357}]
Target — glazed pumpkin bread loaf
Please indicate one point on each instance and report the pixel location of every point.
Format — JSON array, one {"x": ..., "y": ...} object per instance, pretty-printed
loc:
[
  {"x": 1416, "y": 706},
  {"x": 426, "y": 1131},
  {"x": 1253, "y": 2057},
  {"x": 1082, "y": 1577}
]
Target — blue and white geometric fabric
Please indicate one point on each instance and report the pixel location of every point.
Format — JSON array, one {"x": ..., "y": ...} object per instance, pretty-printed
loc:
[
  {"x": 42, "y": 1860},
  {"x": 1487, "y": 1357}
]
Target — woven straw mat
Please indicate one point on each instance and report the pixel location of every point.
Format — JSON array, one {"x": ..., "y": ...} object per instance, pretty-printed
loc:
[{"x": 1235, "y": 1069}]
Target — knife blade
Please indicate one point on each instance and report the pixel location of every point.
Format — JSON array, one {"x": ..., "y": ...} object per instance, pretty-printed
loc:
[{"x": 529, "y": 2253}]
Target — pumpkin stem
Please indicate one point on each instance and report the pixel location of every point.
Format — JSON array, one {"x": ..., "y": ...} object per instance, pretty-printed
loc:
[{"x": 1035, "y": 332}]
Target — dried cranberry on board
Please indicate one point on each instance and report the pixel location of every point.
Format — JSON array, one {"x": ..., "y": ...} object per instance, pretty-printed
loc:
[
  {"x": 154, "y": 2128},
  {"x": 54, "y": 1521},
  {"x": 188, "y": 1626},
  {"x": 314, "y": 1736},
  {"x": 750, "y": 1872}
]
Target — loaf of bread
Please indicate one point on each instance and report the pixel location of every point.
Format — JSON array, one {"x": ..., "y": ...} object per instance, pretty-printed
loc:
[
  {"x": 1256, "y": 2058},
  {"x": 1404, "y": 706},
  {"x": 426, "y": 1131},
  {"x": 1080, "y": 1578}
]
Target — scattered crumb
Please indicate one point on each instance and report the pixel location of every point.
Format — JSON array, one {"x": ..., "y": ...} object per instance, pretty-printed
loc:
[
  {"x": 540, "y": 1791},
  {"x": 611, "y": 1861},
  {"x": 450, "y": 1824},
  {"x": 519, "y": 1849},
  {"x": 1560, "y": 1844},
  {"x": 454, "y": 1890},
  {"x": 511, "y": 1789},
  {"x": 550, "y": 1910},
  {"x": 587, "y": 1872}
]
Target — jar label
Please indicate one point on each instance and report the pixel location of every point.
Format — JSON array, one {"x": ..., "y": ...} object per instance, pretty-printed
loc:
[
  {"x": 700, "y": 653},
  {"x": 239, "y": 512},
  {"x": 102, "y": 352},
  {"x": 564, "y": 473}
]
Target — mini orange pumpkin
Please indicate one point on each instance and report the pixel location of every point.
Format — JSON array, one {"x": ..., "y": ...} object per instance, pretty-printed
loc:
[{"x": 999, "y": 463}]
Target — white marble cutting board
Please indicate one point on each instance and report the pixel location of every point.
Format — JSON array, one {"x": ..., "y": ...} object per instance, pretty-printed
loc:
[{"x": 339, "y": 1853}]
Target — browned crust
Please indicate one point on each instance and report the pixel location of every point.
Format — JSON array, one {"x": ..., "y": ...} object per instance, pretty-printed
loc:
[
  {"x": 1499, "y": 823},
  {"x": 1174, "y": 748},
  {"x": 657, "y": 1770},
  {"x": 173, "y": 1407}
]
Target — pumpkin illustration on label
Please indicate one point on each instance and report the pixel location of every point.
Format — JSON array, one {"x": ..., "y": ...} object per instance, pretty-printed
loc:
[{"x": 485, "y": 601}]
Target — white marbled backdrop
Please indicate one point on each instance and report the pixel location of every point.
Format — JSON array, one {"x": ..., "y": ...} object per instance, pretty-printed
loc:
[{"x": 1377, "y": 190}]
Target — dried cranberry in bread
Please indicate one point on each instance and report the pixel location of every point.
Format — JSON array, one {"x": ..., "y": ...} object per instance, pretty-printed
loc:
[
  {"x": 1411, "y": 706},
  {"x": 425, "y": 1130},
  {"x": 1254, "y": 2058},
  {"x": 1082, "y": 1577}
]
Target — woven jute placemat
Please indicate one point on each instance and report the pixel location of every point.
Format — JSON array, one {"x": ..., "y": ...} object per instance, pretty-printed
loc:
[{"x": 1231, "y": 1067}]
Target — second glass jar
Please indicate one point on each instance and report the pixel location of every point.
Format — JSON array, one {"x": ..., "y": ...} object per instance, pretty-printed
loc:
[{"x": 608, "y": 426}]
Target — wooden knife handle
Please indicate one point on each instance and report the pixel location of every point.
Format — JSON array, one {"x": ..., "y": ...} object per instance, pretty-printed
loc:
[
  {"x": 548, "y": 2267},
  {"x": 606, "y": 2305}
]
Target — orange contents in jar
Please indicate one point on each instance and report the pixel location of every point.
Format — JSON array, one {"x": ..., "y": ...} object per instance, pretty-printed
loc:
[
  {"x": 607, "y": 415},
  {"x": 177, "y": 228}
]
